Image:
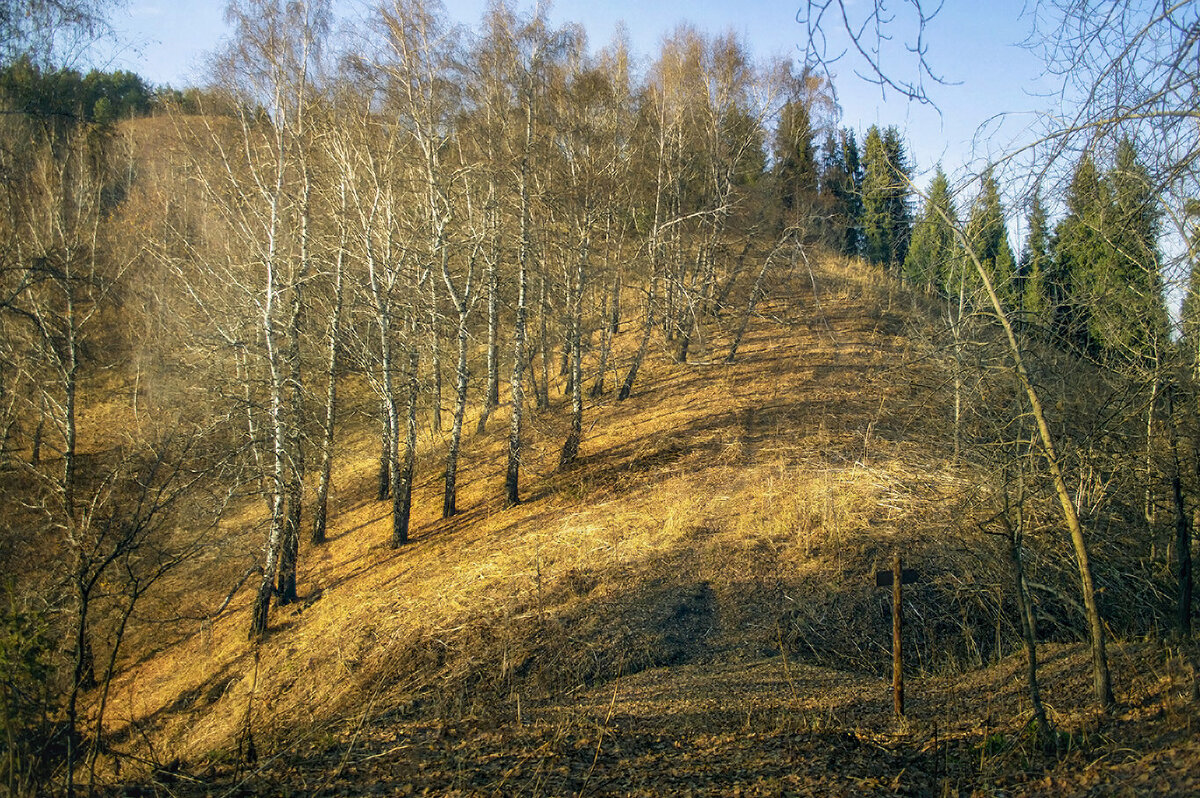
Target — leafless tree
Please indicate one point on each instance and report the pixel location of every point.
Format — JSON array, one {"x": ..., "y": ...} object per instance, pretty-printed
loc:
[
  {"x": 58, "y": 287},
  {"x": 596, "y": 108},
  {"x": 52, "y": 33},
  {"x": 333, "y": 362},
  {"x": 423, "y": 67},
  {"x": 1049, "y": 451},
  {"x": 516, "y": 62},
  {"x": 383, "y": 242},
  {"x": 264, "y": 165}
]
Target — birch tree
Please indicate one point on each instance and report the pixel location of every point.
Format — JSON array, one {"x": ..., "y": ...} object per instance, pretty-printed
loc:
[
  {"x": 423, "y": 68},
  {"x": 382, "y": 240},
  {"x": 516, "y": 61},
  {"x": 595, "y": 111},
  {"x": 259, "y": 180}
]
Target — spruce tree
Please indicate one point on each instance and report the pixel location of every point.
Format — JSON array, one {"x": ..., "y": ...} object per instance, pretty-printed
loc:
[
  {"x": 930, "y": 257},
  {"x": 876, "y": 220},
  {"x": 886, "y": 220},
  {"x": 841, "y": 176},
  {"x": 1035, "y": 269},
  {"x": 795, "y": 162},
  {"x": 1135, "y": 319},
  {"x": 899, "y": 214},
  {"x": 1107, "y": 248},
  {"x": 851, "y": 194},
  {"x": 1082, "y": 255},
  {"x": 742, "y": 142},
  {"x": 988, "y": 235}
]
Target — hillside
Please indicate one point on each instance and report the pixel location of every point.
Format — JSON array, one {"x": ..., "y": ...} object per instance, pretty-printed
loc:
[{"x": 691, "y": 606}]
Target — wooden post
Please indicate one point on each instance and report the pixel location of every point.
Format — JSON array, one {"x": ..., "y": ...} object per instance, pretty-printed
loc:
[
  {"x": 897, "y": 660},
  {"x": 894, "y": 578}
]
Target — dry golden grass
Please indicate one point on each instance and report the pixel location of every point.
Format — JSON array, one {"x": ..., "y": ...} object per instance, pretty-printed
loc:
[
  {"x": 720, "y": 515},
  {"x": 730, "y": 477}
]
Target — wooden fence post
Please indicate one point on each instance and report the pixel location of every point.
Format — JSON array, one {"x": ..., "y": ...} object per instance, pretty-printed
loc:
[
  {"x": 897, "y": 659},
  {"x": 895, "y": 578}
]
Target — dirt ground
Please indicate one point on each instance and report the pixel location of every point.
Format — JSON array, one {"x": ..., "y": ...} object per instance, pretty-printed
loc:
[{"x": 761, "y": 727}]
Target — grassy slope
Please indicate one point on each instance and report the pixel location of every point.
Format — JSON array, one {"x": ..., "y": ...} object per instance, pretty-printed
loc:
[{"x": 621, "y": 630}]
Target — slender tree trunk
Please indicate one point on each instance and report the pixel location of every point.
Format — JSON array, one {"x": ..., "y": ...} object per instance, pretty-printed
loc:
[
  {"x": 647, "y": 328},
  {"x": 1025, "y": 609},
  {"x": 575, "y": 346},
  {"x": 70, "y": 422},
  {"x": 614, "y": 306},
  {"x": 321, "y": 508},
  {"x": 399, "y": 534},
  {"x": 285, "y": 588},
  {"x": 492, "y": 390},
  {"x": 1102, "y": 680},
  {"x": 1029, "y": 632},
  {"x": 82, "y": 676},
  {"x": 607, "y": 331},
  {"x": 691, "y": 306},
  {"x": 399, "y": 521},
  {"x": 685, "y": 339},
  {"x": 435, "y": 339},
  {"x": 493, "y": 323},
  {"x": 387, "y": 433},
  {"x": 1183, "y": 530},
  {"x": 252, "y": 429},
  {"x": 542, "y": 389},
  {"x": 653, "y": 251},
  {"x": 462, "y": 377},
  {"x": 1148, "y": 465},
  {"x": 1183, "y": 556},
  {"x": 109, "y": 671},
  {"x": 672, "y": 274},
  {"x": 512, "y": 477},
  {"x": 273, "y": 548},
  {"x": 956, "y": 331},
  {"x": 564, "y": 359},
  {"x": 293, "y": 508},
  {"x": 755, "y": 296},
  {"x": 462, "y": 301},
  {"x": 513, "y": 473},
  {"x": 294, "y": 485},
  {"x": 668, "y": 319},
  {"x": 402, "y": 495},
  {"x": 294, "y": 501},
  {"x": 274, "y": 543}
]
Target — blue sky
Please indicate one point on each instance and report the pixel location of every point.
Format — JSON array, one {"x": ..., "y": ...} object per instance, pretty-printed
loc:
[{"x": 974, "y": 46}]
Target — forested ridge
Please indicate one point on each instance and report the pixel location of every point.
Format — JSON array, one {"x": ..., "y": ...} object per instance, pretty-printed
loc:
[{"x": 418, "y": 406}]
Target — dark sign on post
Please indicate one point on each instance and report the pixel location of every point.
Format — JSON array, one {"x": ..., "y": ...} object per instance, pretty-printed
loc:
[{"x": 884, "y": 578}]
